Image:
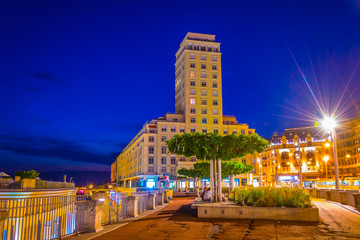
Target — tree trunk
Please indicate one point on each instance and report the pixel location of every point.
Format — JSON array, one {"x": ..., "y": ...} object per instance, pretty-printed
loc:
[
  {"x": 215, "y": 182},
  {"x": 212, "y": 180},
  {"x": 219, "y": 181},
  {"x": 231, "y": 182}
]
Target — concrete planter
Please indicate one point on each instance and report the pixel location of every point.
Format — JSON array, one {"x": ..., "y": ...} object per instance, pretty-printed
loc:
[{"x": 232, "y": 211}]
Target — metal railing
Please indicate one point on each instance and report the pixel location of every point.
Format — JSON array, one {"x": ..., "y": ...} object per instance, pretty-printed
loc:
[{"x": 44, "y": 216}]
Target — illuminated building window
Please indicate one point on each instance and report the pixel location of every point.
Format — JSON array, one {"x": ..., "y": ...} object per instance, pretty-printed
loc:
[
  {"x": 192, "y": 74},
  {"x": 151, "y": 160},
  {"x": 216, "y": 121},
  {"x": 204, "y": 120},
  {"x": 192, "y": 110},
  {"x": 163, "y": 149},
  {"x": 203, "y": 84},
  {"x": 151, "y": 149},
  {"x": 215, "y": 111},
  {"x": 209, "y": 49},
  {"x": 192, "y": 101},
  {"x": 242, "y": 131},
  {"x": 173, "y": 129},
  {"x": 193, "y": 130},
  {"x": 203, "y": 102},
  {"x": 192, "y": 56},
  {"x": 192, "y": 83},
  {"x": 214, "y": 58},
  {"x": 163, "y": 170},
  {"x": 225, "y": 131},
  {"x": 163, "y": 138},
  {"x": 214, "y": 76},
  {"x": 163, "y": 129},
  {"x": 215, "y": 130},
  {"x": 192, "y": 65},
  {"x": 151, "y": 169},
  {"x": 203, "y": 92},
  {"x": 203, "y": 75},
  {"x": 234, "y": 131},
  {"x": 192, "y": 91},
  {"x": 151, "y": 139},
  {"x": 196, "y": 47},
  {"x": 203, "y": 66},
  {"x": 215, "y": 93},
  {"x": 214, "y": 85},
  {"x": 203, "y": 57},
  {"x": 163, "y": 160},
  {"x": 214, "y": 67},
  {"x": 192, "y": 120},
  {"x": 173, "y": 160},
  {"x": 204, "y": 130},
  {"x": 193, "y": 159},
  {"x": 215, "y": 102}
]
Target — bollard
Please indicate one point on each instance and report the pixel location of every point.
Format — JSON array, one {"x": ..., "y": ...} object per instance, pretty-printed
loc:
[
  {"x": 160, "y": 198},
  {"x": 151, "y": 201},
  {"x": 132, "y": 206}
]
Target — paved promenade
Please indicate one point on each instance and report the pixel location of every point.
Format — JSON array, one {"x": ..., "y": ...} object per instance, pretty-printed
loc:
[{"x": 178, "y": 222}]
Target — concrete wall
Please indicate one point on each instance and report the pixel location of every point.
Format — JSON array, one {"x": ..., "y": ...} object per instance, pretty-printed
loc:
[{"x": 272, "y": 213}]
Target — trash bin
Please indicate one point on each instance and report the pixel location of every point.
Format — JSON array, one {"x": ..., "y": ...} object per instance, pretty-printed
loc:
[{"x": 169, "y": 195}]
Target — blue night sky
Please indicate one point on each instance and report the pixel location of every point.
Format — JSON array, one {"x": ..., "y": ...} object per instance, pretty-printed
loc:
[{"x": 80, "y": 78}]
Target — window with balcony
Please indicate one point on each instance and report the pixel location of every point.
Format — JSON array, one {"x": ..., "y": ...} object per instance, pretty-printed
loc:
[{"x": 234, "y": 131}]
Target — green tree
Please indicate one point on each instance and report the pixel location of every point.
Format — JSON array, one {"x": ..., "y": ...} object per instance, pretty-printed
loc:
[
  {"x": 213, "y": 147},
  {"x": 27, "y": 174}
]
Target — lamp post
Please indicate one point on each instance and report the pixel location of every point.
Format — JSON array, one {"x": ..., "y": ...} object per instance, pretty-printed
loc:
[
  {"x": 329, "y": 124},
  {"x": 258, "y": 160}
]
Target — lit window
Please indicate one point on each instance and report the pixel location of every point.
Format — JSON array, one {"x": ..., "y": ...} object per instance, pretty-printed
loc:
[
  {"x": 192, "y": 56},
  {"x": 151, "y": 160},
  {"x": 163, "y": 138},
  {"x": 192, "y": 74},
  {"x": 203, "y": 84},
  {"x": 204, "y": 130},
  {"x": 214, "y": 58},
  {"x": 204, "y": 111},
  {"x": 215, "y": 111},
  {"x": 242, "y": 131},
  {"x": 182, "y": 130},
  {"x": 203, "y": 48},
  {"x": 216, "y": 121},
  {"x": 214, "y": 76},
  {"x": 214, "y": 67},
  {"x": 192, "y": 110},
  {"x": 215, "y": 103},
  {"x": 196, "y": 47},
  {"x": 192, "y": 65},
  {"x": 192, "y": 91},
  {"x": 163, "y": 149},
  {"x": 203, "y": 57},
  {"x": 234, "y": 130},
  {"x": 182, "y": 159},
  {"x": 215, "y": 93},
  {"x": 193, "y": 130},
  {"x": 192, "y": 101},
  {"x": 203, "y": 92},
  {"x": 203, "y": 75},
  {"x": 173, "y": 160},
  {"x": 214, "y": 85},
  {"x": 203, "y": 66},
  {"x": 151, "y": 139},
  {"x": 225, "y": 131},
  {"x": 151, "y": 149},
  {"x": 163, "y": 160},
  {"x": 192, "y": 120},
  {"x": 192, "y": 83},
  {"x": 204, "y": 120}
]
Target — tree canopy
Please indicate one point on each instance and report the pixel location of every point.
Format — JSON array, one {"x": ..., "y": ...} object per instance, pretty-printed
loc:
[
  {"x": 27, "y": 174},
  {"x": 215, "y": 146},
  {"x": 202, "y": 169}
]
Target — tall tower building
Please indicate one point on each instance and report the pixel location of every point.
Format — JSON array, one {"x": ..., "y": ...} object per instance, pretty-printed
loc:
[
  {"x": 198, "y": 94},
  {"x": 198, "y": 108}
]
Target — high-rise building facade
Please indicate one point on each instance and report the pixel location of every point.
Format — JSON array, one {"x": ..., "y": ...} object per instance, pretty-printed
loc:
[{"x": 198, "y": 108}]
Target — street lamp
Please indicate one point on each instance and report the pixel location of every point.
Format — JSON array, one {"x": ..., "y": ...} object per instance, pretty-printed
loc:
[
  {"x": 329, "y": 124},
  {"x": 258, "y": 160},
  {"x": 326, "y": 158}
]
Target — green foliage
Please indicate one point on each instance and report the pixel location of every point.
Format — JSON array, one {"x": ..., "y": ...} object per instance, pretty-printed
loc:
[
  {"x": 202, "y": 169},
  {"x": 27, "y": 174},
  {"x": 211, "y": 146},
  {"x": 271, "y": 197}
]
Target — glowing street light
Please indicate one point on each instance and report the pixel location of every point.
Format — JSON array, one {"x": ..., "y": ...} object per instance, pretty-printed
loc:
[{"x": 329, "y": 124}]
